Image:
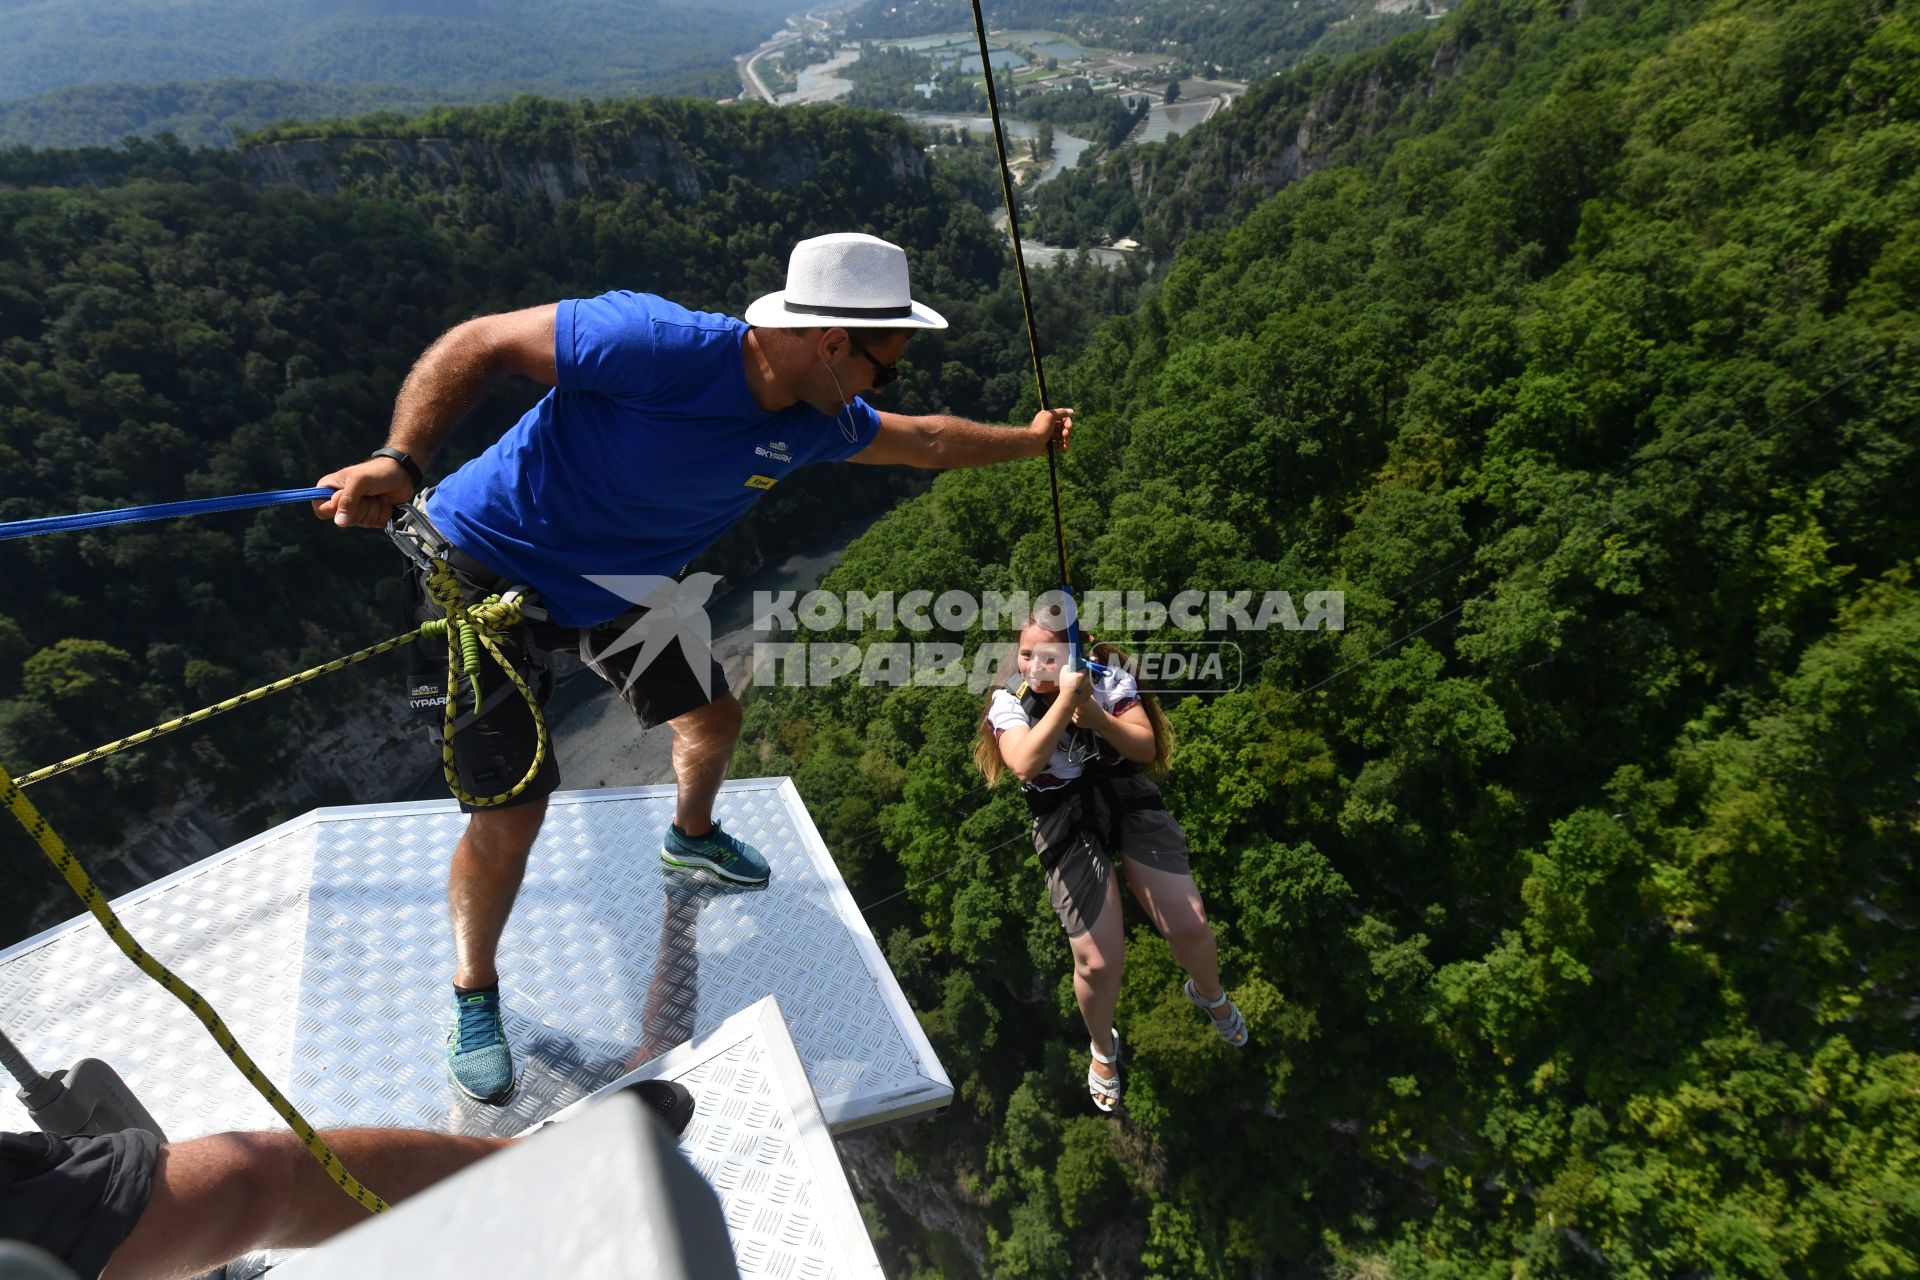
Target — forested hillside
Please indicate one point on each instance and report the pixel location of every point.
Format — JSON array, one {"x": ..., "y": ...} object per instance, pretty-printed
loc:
[
  {"x": 168, "y": 331},
  {"x": 90, "y": 72},
  {"x": 210, "y": 114},
  {"x": 1570, "y": 891}
]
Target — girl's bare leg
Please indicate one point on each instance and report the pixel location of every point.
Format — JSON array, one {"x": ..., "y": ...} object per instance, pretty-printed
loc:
[
  {"x": 1172, "y": 902},
  {"x": 1097, "y": 956}
]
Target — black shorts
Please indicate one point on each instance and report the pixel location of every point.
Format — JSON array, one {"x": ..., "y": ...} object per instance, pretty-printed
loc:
[
  {"x": 492, "y": 749},
  {"x": 1079, "y": 864},
  {"x": 77, "y": 1198}
]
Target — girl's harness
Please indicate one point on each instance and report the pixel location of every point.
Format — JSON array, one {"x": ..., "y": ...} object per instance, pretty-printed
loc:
[{"x": 1088, "y": 802}]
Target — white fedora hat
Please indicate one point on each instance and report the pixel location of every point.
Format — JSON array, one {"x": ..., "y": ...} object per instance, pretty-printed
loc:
[{"x": 845, "y": 280}]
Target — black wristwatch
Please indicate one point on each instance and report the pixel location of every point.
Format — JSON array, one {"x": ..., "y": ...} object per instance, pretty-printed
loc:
[{"x": 407, "y": 464}]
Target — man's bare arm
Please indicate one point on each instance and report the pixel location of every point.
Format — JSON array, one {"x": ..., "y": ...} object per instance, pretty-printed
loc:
[
  {"x": 939, "y": 441},
  {"x": 446, "y": 382}
]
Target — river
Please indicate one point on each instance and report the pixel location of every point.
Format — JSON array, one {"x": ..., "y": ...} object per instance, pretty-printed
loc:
[{"x": 1067, "y": 150}]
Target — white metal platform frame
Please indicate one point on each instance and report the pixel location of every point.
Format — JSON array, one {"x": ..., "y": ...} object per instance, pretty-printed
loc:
[
  {"x": 757, "y": 1137},
  {"x": 324, "y": 944}
]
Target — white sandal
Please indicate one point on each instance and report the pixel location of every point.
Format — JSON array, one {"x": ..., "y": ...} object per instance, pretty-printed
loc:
[
  {"x": 1104, "y": 1092},
  {"x": 1233, "y": 1027}
]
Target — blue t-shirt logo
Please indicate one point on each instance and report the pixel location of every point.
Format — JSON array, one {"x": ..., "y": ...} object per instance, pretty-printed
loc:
[{"x": 643, "y": 455}]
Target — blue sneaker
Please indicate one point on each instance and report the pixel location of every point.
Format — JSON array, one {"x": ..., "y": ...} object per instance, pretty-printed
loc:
[
  {"x": 717, "y": 852},
  {"x": 478, "y": 1058}
]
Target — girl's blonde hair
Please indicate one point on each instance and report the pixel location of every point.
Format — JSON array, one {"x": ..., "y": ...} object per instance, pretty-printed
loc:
[{"x": 986, "y": 744}]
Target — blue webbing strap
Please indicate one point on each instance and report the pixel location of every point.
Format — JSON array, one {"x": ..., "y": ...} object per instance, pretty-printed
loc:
[{"x": 158, "y": 511}]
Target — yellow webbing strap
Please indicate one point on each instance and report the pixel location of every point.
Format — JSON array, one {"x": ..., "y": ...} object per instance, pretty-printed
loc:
[
  {"x": 219, "y": 708},
  {"x": 82, "y": 884},
  {"x": 465, "y": 627}
]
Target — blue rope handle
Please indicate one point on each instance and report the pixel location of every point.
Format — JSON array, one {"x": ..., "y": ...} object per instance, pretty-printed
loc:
[
  {"x": 1076, "y": 657},
  {"x": 159, "y": 511}
]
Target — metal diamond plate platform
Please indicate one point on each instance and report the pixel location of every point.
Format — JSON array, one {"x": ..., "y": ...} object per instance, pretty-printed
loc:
[
  {"x": 757, "y": 1136},
  {"x": 760, "y": 1140},
  {"x": 324, "y": 944}
]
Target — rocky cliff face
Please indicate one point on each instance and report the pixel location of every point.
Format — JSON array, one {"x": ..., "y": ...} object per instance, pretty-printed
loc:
[
  {"x": 932, "y": 1202},
  {"x": 329, "y": 166}
]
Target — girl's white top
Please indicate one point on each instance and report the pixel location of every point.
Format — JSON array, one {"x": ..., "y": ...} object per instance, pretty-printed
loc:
[{"x": 1115, "y": 692}]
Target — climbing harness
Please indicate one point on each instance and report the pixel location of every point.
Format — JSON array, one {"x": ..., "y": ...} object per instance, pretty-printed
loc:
[
  {"x": 468, "y": 630},
  {"x": 1089, "y": 800}
]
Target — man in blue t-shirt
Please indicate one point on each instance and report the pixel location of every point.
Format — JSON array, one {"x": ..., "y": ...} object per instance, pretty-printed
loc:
[{"x": 663, "y": 427}]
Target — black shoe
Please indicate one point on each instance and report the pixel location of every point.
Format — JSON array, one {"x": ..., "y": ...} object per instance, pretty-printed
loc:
[{"x": 670, "y": 1103}]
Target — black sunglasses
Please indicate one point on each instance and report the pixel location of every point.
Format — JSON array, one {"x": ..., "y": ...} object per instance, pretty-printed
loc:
[{"x": 883, "y": 373}]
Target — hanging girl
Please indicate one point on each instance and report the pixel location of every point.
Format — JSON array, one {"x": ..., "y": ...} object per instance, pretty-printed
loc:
[{"x": 1086, "y": 751}]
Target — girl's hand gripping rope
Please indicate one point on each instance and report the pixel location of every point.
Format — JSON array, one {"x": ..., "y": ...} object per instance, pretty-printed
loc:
[{"x": 1076, "y": 688}]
